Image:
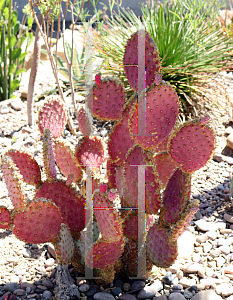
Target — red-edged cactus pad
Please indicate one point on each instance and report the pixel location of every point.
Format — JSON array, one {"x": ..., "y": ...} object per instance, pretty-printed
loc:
[
  {"x": 70, "y": 203},
  {"x": 38, "y": 222},
  {"x": 153, "y": 197},
  {"x": 176, "y": 196},
  {"x": 130, "y": 226},
  {"x": 84, "y": 121},
  {"x": 5, "y": 218},
  {"x": 66, "y": 160},
  {"x": 104, "y": 254},
  {"x": 152, "y": 60},
  {"x": 192, "y": 145},
  {"x": 119, "y": 180},
  {"x": 27, "y": 166},
  {"x": 53, "y": 115},
  {"x": 13, "y": 181},
  {"x": 161, "y": 246},
  {"x": 162, "y": 108},
  {"x": 48, "y": 154},
  {"x": 161, "y": 147},
  {"x": 120, "y": 141},
  {"x": 107, "y": 100},
  {"x": 90, "y": 152},
  {"x": 108, "y": 220},
  {"x": 111, "y": 173},
  {"x": 64, "y": 246},
  {"x": 164, "y": 167}
]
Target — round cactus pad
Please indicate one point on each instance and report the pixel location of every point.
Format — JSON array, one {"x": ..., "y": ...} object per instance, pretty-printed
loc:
[
  {"x": 108, "y": 220},
  {"x": 70, "y": 203},
  {"x": 151, "y": 125},
  {"x": 66, "y": 160},
  {"x": 161, "y": 246},
  {"x": 107, "y": 100},
  {"x": 5, "y": 218},
  {"x": 27, "y": 166},
  {"x": 84, "y": 121},
  {"x": 53, "y": 115},
  {"x": 38, "y": 222},
  {"x": 152, "y": 60},
  {"x": 13, "y": 180},
  {"x": 104, "y": 254},
  {"x": 120, "y": 141},
  {"x": 192, "y": 145},
  {"x": 90, "y": 152},
  {"x": 64, "y": 247},
  {"x": 164, "y": 167},
  {"x": 176, "y": 196}
]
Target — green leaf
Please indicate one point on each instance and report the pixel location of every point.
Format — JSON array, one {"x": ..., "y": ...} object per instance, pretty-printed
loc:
[
  {"x": 30, "y": 22},
  {"x": 2, "y": 2},
  {"x": 15, "y": 84},
  {"x": 21, "y": 57},
  {"x": 30, "y": 38},
  {"x": 6, "y": 13},
  {"x": 12, "y": 68},
  {"x": 16, "y": 53},
  {"x": 14, "y": 18},
  {"x": 12, "y": 41},
  {"x": 16, "y": 28},
  {"x": 20, "y": 71}
]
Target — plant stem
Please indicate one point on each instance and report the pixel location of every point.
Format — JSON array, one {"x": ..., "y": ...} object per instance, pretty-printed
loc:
[{"x": 10, "y": 49}]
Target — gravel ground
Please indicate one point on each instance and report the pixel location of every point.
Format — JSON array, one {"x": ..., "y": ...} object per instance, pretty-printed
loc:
[{"x": 204, "y": 268}]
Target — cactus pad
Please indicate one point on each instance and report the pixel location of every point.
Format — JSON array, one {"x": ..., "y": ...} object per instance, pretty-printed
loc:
[
  {"x": 49, "y": 160},
  {"x": 64, "y": 246},
  {"x": 120, "y": 141},
  {"x": 5, "y": 218},
  {"x": 111, "y": 173},
  {"x": 84, "y": 121},
  {"x": 104, "y": 254},
  {"x": 108, "y": 220},
  {"x": 38, "y": 222},
  {"x": 162, "y": 108},
  {"x": 192, "y": 145},
  {"x": 152, "y": 60},
  {"x": 164, "y": 166},
  {"x": 161, "y": 246},
  {"x": 13, "y": 180},
  {"x": 130, "y": 226},
  {"x": 53, "y": 115},
  {"x": 90, "y": 152},
  {"x": 107, "y": 100},
  {"x": 27, "y": 166},
  {"x": 70, "y": 203},
  {"x": 66, "y": 160}
]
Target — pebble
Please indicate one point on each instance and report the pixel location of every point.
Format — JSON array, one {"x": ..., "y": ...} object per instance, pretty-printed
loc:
[
  {"x": 48, "y": 284},
  {"x": 51, "y": 250},
  {"x": 49, "y": 262},
  {"x": 16, "y": 104},
  {"x": 84, "y": 288},
  {"x": 11, "y": 287},
  {"x": 127, "y": 297},
  {"x": 19, "y": 292},
  {"x": 167, "y": 279},
  {"x": 150, "y": 291},
  {"x": 103, "y": 296},
  {"x": 207, "y": 295},
  {"x": 137, "y": 284},
  {"x": 116, "y": 291},
  {"x": 176, "y": 296},
  {"x": 126, "y": 287},
  {"x": 228, "y": 218},
  {"x": 47, "y": 295}
]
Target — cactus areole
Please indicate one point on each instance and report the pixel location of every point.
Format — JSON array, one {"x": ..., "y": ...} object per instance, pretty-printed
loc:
[{"x": 146, "y": 172}]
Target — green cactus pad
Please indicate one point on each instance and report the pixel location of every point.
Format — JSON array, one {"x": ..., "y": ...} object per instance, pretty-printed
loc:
[
  {"x": 162, "y": 108},
  {"x": 13, "y": 181},
  {"x": 53, "y": 115},
  {"x": 49, "y": 160},
  {"x": 66, "y": 160},
  {"x": 119, "y": 141},
  {"x": 70, "y": 203},
  {"x": 161, "y": 246},
  {"x": 105, "y": 254},
  {"x": 152, "y": 61},
  {"x": 5, "y": 218},
  {"x": 27, "y": 166},
  {"x": 107, "y": 218},
  {"x": 37, "y": 222},
  {"x": 91, "y": 152},
  {"x": 164, "y": 167},
  {"x": 192, "y": 145},
  {"x": 107, "y": 100},
  {"x": 175, "y": 197},
  {"x": 64, "y": 246},
  {"x": 84, "y": 121}
]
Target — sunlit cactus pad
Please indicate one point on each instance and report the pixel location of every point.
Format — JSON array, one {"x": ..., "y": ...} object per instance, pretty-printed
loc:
[
  {"x": 5, "y": 218},
  {"x": 53, "y": 115},
  {"x": 37, "y": 222},
  {"x": 84, "y": 121},
  {"x": 49, "y": 160}
]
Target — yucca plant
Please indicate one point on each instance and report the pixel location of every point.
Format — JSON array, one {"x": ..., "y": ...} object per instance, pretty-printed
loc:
[{"x": 187, "y": 35}]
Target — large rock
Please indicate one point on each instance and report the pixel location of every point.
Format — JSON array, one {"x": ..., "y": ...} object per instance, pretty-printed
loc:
[{"x": 207, "y": 295}]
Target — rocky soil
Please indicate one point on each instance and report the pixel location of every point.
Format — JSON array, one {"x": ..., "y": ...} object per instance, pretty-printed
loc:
[{"x": 204, "y": 268}]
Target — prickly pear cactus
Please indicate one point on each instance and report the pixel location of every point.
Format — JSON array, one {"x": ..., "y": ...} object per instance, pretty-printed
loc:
[{"x": 148, "y": 157}]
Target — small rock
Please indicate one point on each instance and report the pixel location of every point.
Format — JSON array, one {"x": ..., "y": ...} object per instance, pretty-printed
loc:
[
  {"x": 92, "y": 291},
  {"x": 230, "y": 141},
  {"x": 26, "y": 253},
  {"x": 11, "y": 287},
  {"x": 217, "y": 157},
  {"x": 215, "y": 253},
  {"x": 202, "y": 238},
  {"x": 48, "y": 284},
  {"x": 187, "y": 294},
  {"x": 185, "y": 282},
  {"x": 137, "y": 284},
  {"x": 229, "y": 130},
  {"x": 49, "y": 262},
  {"x": 127, "y": 297},
  {"x": 51, "y": 250},
  {"x": 176, "y": 296},
  {"x": 167, "y": 279},
  {"x": 205, "y": 226},
  {"x": 103, "y": 296},
  {"x": 4, "y": 109},
  {"x": 41, "y": 287},
  {"x": 177, "y": 287},
  {"x": 228, "y": 160},
  {"x": 126, "y": 287},
  {"x": 31, "y": 296},
  {"x": 207, "y": 295},
  {"x": 25, "y": 285},
  {"x": 225, "y": 250},
  {"x": 84, "y": 288},
  {"x": 19, "y": 292},
  {"x": 116, "y": 291},
  {"x": 16, "y": 104},
  {"x": 47, "y": 295},
  {"x": 191, "y": 267},
  {"x": 151, "y": 290},
  {"x": 228, "y": 218},
  {"x": 14, "y": 278}
]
